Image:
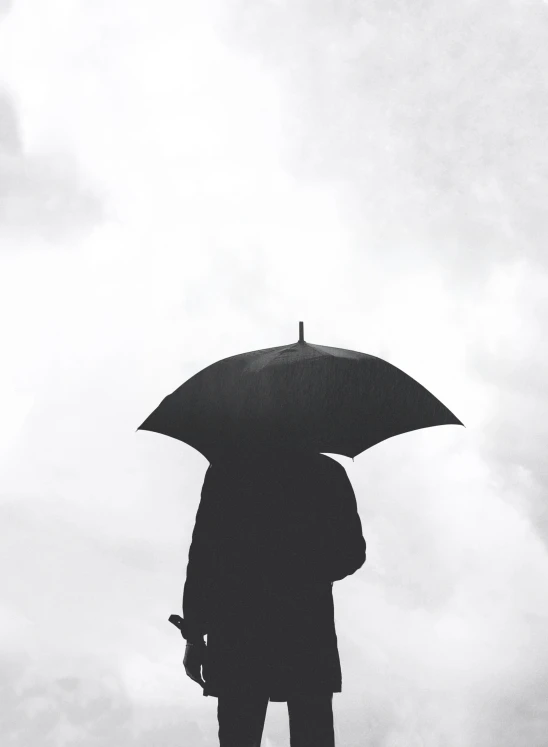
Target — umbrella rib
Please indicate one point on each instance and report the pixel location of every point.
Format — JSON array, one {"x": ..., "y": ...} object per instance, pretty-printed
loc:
[{"x": 323, "y": 352}]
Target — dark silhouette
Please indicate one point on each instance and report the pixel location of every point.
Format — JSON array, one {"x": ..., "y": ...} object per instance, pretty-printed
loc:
[
  {"x": 276, "y": 527},
  {"x": 274, "y": 530}
]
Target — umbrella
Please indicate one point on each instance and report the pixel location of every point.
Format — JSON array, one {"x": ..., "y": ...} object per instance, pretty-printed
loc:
[{"x": 297, "y": 396}]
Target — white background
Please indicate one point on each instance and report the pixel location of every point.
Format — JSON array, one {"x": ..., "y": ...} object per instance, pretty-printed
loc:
[{"x": 180, "y": 182}]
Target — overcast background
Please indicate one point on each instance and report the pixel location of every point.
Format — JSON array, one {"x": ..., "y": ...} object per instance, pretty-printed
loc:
[{"x": 184, "y": 181}]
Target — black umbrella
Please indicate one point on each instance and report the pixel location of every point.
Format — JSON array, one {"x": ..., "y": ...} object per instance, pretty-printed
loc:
[{"x": 300, "y": 395}]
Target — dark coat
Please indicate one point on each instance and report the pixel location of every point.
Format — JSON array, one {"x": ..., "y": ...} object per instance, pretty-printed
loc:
[{"x": 272, "y": 534}]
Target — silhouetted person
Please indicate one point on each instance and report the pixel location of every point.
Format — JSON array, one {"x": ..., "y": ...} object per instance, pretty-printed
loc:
[{"x": 273, "y": 532}]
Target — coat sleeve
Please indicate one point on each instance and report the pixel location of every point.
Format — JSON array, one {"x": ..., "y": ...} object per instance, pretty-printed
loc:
[
  {"x": 200, "y": 575},
  {"x": 345, "y": 545}
]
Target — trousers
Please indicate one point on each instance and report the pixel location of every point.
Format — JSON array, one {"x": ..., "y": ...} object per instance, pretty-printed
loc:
[{"x": 242, "y": 718}]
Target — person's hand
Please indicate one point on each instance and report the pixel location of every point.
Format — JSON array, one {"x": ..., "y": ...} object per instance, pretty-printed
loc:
[{"x": 194, "y": 660}]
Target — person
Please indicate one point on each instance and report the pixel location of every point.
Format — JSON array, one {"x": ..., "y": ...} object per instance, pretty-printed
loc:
[{"x": 274, "y": 530}]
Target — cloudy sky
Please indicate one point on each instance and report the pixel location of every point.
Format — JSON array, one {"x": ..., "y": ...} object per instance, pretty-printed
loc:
[{"x": 180, "y": 182}]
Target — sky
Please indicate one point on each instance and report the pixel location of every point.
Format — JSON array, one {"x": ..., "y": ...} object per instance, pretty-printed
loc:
[{"x": 181, "y": 182}]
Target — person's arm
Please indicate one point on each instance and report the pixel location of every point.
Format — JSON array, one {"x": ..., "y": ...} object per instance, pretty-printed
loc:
[
  {"x": 329, "y": 545},
  {"x": 200, "y": 568},
  {"x": 346, "y": 544}
]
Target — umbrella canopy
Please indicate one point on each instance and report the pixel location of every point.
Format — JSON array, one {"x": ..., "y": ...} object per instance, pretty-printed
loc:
[{"x": 297, "y": 396}]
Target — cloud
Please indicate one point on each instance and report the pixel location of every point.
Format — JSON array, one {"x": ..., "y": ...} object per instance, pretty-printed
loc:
[
  {"x": 84, "y": 708},
  {"x": 400, "y": 126},
  {"x": 429, "y": 119},
  {"x": 83, "y": 704},
  {"x": 10, "y": 136},
  {"x": 41, "y": 194},
  {"x": 514, "y": 364},
  {"x": 82, "y": 692}
]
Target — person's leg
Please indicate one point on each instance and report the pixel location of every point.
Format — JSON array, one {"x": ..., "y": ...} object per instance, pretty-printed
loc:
[
  {"x": 241, "y": 719},
  {"x": 311, "y": 721}
]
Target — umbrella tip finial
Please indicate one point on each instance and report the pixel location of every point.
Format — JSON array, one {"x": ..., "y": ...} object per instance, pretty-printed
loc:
[{"x": 301, "y": 331}]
